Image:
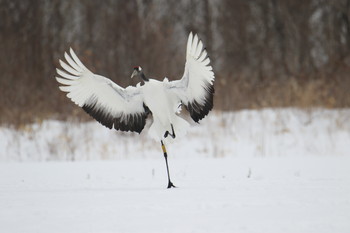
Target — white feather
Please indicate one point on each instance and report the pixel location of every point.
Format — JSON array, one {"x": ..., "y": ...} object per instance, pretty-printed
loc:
[
  {"x": 65, "y": 81},
  {"x": 197, "y": 74},
  {"x": 189, "y": 43},
  {"x": 199, "y": 49},
  {"x": 72, "y": 63},
  {"x": 194, "y": 45},
  {"x": 68, "y": 68},
  {"x": 77, "y": 60},
  {"x": 82, "y": 85},
  {"x": 66, "y": 75}
]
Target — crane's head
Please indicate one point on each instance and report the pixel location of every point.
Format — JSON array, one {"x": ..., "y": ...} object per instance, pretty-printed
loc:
[{"x": 138, "y": 72}]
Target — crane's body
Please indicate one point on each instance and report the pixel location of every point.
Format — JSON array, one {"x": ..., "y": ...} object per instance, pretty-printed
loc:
[
  {"x": 126, "y": 109},
  {"x": 164, "y": 110}
]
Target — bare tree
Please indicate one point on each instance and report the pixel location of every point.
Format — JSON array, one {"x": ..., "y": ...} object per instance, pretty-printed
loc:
[{"x": 264, "y": 53}]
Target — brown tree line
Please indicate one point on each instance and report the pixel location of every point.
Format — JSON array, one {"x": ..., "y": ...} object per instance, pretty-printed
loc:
[{"x": 265, "y": 53}]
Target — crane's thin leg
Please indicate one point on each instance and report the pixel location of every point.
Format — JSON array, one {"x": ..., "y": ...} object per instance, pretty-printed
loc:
[
  {"x": 170, "y": 184},
  {"x": 171, "y": 134}
]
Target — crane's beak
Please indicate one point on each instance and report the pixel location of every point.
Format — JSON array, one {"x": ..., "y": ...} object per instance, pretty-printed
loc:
[{"x": 134, "y": 74}]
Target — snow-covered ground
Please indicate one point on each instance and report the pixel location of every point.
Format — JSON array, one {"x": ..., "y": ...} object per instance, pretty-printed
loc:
[
  {"x": 265, "y": 133},
  {"x": 297, "y": 195},
  {"x": 284, "y": 170}
]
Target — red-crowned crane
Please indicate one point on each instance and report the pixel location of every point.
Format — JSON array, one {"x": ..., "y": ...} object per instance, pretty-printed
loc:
[{"x": 126, "y": 109}]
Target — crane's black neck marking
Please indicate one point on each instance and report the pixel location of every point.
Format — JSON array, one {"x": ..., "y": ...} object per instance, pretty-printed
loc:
[{"x": 143, "y": 76}]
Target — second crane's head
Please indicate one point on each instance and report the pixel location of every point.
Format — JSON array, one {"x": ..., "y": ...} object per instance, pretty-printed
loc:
[{"x": 138, "y": 72}]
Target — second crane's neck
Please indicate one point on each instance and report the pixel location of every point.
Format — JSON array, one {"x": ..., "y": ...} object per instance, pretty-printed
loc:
[{"x": 143, "y": 77}]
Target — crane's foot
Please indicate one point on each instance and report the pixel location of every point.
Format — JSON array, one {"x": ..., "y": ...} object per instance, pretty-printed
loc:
[
  {"x": 167, "y": 134},
  {"x": 171, "y": 185},
  {"x": 171, "y": 134}
]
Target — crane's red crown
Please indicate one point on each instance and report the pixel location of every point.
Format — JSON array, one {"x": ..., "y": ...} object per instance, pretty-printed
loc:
[{"x": 137, "y": 68}]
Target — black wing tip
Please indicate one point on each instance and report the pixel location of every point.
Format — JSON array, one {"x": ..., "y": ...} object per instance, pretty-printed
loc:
[
  {"x": 99, "y": 115},
  {"x": 198, "y": 111},
  {"x": 131, "y": 122}
]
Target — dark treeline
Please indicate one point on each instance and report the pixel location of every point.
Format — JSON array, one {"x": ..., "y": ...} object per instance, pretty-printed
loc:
[{"x": 265, "y": 53}]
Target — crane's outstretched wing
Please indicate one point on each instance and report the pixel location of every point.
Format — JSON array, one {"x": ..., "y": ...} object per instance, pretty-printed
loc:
[
  {"x": 196, "y": 87},
  {"x": 108, "y": 103}
]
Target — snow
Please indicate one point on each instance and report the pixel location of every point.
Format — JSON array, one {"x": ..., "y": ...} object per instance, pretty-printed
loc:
[
  {"x": 250, "y": 133},
  {"x": 213, "y": 195},
  {"x": 274, "y": 170}
]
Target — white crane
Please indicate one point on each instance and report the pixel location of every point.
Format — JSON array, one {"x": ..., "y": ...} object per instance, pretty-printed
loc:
[{"x": 126, "y": 109}]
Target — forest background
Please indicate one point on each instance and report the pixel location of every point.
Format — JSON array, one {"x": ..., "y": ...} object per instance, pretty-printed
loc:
[{"x": 265, "y": 54}]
